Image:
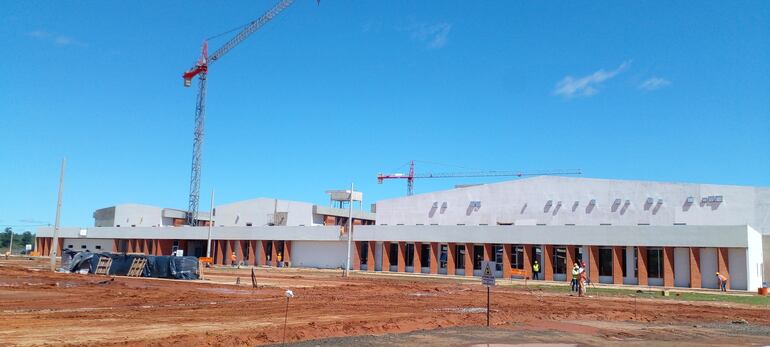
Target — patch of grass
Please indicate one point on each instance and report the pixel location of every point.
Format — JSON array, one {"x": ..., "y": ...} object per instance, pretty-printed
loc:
[{"x": 656, "y": 294}]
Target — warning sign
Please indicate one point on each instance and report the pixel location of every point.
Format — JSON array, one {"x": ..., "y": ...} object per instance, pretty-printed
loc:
[{"x": 488, "y": 273}]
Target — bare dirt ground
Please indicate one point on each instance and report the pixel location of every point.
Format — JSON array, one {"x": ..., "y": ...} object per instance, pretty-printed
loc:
[{"x": 43, "y": 308}]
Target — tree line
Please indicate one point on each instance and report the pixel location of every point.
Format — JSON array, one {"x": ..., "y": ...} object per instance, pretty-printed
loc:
[{"x": 19, "y": 240}]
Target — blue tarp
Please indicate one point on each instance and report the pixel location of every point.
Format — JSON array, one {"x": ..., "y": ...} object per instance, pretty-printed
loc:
[{"x": 157, "y": 266}]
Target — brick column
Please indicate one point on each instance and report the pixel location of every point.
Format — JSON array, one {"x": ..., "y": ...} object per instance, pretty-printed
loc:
[
  {"x": 617, "y": 265},
  {"x": 253, "y": 253},
  {"x": 228, "y": 251},
  {"x": 668, "y": 266},
  {"x": 145, "y": 249},
  {"x": 695, "y": 275},
  {"x": 593, "y": 263},
  {"x": 356, "y": 245},
  {"x": 370, "y": 261},
  {"x": 401, "y": 264},
  {"x": 287, "y": 252},
  {"x": 450, "y": 259},
  {"x": 238, "y": 251},
  {"x": 434, "y": 255},
  {"x": 488, "y": 256},
  {"x": 571, "y": 259},
  {"x": 130, "y": 248},
  {"x": 262, "y": 250},
  {"x": 385, "y": 256},
  {"x": 506, "y": 261},
  {"x": 641, "y": 265},
  {"x": 469, "y": 259},
  {"x": 527, "y": 260},
  {"x": 274, "y": 253},
  {"x": 723, "y": 264},
  {"x": 218, "y": 251},
  {"x": 547, "y": 265},
  {"x": 115, "y": 245},
  {"x": 417, "y": 258}
]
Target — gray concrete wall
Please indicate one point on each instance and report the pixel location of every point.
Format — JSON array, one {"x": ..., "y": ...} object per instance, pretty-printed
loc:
[{"x": 257, "y": 212}]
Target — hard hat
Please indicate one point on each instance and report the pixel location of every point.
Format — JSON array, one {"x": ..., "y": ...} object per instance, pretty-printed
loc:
[{"x": 717, "y": 273}]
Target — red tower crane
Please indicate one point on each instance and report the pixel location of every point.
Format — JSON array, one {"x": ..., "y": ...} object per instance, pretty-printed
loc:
[
  {"x": 200, "y": 70},
  {"x": 411, "y": 176}
]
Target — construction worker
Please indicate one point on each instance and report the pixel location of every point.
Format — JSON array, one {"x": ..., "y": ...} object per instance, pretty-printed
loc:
[
  {"x": 535, "y": 271},
  {"x": 722, "y": 282},
  {"x": 582, "y": 281},
  {"x": 233, "y": 259},
  {"x": 575, "y": 275},
  {"x": 279, "y": 257}
]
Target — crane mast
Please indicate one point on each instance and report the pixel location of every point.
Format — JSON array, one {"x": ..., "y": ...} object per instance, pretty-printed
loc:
[
  {"x": 201, "y": 71},
  {"x": 411, "y": 176}
]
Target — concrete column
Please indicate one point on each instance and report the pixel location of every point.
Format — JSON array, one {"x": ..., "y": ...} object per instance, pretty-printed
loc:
[
  {"x": 668, "y": 266},
  {"x": 641, "y": 265},
  {"x": 528, "y": 260},
  {"x": 469, "y": 259},
  {"x": 370, "y": 261},
  {"x": 356, "y": 255},
  {"x": 695, "y": 275},
  {"x": 450, "y": 259},
  {"x": 488, "y": 256},
  {"x": 253, "y": 253},
  {"x": 723, "y": 264},
  {"x": 401, "y": 265},
  {"x": 593, "y": 263},
  {"x": 434, "y": 255},
  {"x": 385, "y": 256},
  {"x": 571, "y": 259},
  {"x": 274, "y": 254},
  {"x": 262, "y": 252},
  {"x": 238, "y": 251},
  {"x": 417, "y": 258},
  {"x": 617, "y": 265},
  {"x": 547, "y": 266},
  {"x": 506, "y": 261}
]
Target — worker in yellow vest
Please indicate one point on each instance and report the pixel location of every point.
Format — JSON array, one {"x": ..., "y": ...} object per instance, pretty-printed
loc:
[{"x": 536, "y": 271}]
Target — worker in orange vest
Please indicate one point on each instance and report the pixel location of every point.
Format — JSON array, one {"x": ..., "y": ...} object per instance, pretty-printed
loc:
[{"x": 722, "y": 282}]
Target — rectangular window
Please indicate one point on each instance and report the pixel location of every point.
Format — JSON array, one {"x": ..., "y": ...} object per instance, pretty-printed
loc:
[
  {"x": 654, "y": 263},
  {"x": 559, "y": 260},
  {"x": 478, "y": 257},
  {"x": 69, "y": 246},
  {"x": 269, "y": 251},
  {"x": 498, "y": 249},
  {"x": 605, "y": 261},
  {"x": 460, "y": 257},
  {"x": 443, "y": 256},
  {"x": 248, "y": 224},
  {"x": 83, "y": 246},
  {"x": 98, "y": 247},
  {"x": 409, "y": 254},
  {"x": 364, "y": 252},
  {"x": 393, "y": 252},
  {"x": 425, "y": 255}
]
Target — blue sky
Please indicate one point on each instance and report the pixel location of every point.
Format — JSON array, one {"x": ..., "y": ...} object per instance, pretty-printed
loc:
[{"x": 332, "y": 94}]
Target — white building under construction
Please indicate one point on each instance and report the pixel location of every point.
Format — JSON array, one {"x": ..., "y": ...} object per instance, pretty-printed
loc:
[{"x": 627, "y": 232}]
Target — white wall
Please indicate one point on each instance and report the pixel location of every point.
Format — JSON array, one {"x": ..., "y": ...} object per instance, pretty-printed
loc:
[
  {"x": 708, "y": 266},
  {"x": 319, "y": 254},
  {"x": 78, "y": 243},
  {"x": 523, "y": 202},
  {"x": 755, "y": 261},
  {"x": 736, "y": 265},
  {"x": 257, "y": 212},
  {"x": 682, "y": 267}
]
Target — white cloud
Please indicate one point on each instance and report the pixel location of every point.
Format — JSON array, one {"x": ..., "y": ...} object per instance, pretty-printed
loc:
[
  {"x": 570, "y": 87},
  {"x": 434, "y": 36},
  {"x": 56, "y": 39},
  {"x": 654, "y": 83}
]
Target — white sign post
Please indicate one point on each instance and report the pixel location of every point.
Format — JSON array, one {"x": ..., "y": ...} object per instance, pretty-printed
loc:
[{"x": 488, "y": 279}]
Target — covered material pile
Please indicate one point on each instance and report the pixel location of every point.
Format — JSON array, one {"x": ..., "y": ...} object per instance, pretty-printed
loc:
[{"x": 157, "y": 266}]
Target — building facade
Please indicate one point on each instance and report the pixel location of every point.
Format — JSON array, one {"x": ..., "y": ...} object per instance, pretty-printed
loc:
[{"x": 627, "y": 232}]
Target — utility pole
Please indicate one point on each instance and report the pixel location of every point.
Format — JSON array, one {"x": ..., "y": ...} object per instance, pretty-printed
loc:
[
  {"x": 350, "y": 229},
  {"x": 10, "y": 247},
  {"x": 211, "y": 222},
  {"x": 57, "y": 225}
]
